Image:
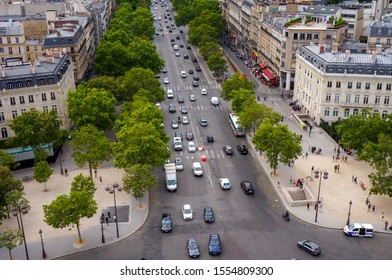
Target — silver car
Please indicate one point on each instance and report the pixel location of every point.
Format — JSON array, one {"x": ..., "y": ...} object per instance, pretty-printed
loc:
[
  {"x": 185, "y": 120},
  {"x": 179, "y": 165}
]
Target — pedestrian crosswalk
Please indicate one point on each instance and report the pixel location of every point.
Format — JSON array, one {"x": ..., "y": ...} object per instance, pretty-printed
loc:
[
  {"x": 190, "y": 87},
  {"x": 209, "y": 107},
  {"x": 209, "y": 153}
]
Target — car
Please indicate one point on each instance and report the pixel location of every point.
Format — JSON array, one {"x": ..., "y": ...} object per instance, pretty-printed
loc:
[
  {"x": 179, "y": 165},
  {"x": 174, "y": 124},
  {"x": 189, "y": 135},
  {"x": 242, "y": 149},
  {"x": 160, "y": 29},
  {"x": 157, "y": 76},
  {"x": 166, "y": 223},
  {"x": 190, "y": 71},
  {"x": 187, "y": 213},
  {"x": 192, "y": 97},
  {"x": 183, "y": 74},
  {"x": 166, "y": 81},
  {"x": 196, "y": 78},
  {"x": 195, "y": 84},
  {"x": 164, "y": 70},
  {"x": 156, "y": 32},
  {"x": 185, "y": 120},
  {"x": 172, "y": 39},
  {"x": 209, "y": 216},
  {"x": 181, "y": 45},
  {"x": 184, "y": 110},
  {"x": 193, "y": 248},
  {"x": 181, "y": 31},
  {"x": 177, "y": 37},
  {"x": 228, "y": 150},
  {"x": 172, "y": 108},
  {"x": 177, "y": 143},
  {"x": 214, "y": 244},
  {"x": 215, "y": 101},
  {"x": 169, "y": 93},
  {"x": 203, "y": 91},
  {"x": 178, "y": 134},
  {"x": 197, "y": 169},
  {"x": 203, "y": 122},
  {"x": 191, "y": 147},
  {"x": 194, "y": 59},
  {"x": 170, "y": 30},
  {"x": 224, "y": 183},
  {"x": 188, "y": 47},
  {"x": 186, "y": 56},
  {"x": 309, "y": 247},
  {"x": 180, "y": 99},
  {"x": 177, "y": 54},
  {"x": 247, "y": 187},
  {"x": 175, "y": 47},
  {"x": 210, "y": 139},
  {"x": 198, "y": 69}
]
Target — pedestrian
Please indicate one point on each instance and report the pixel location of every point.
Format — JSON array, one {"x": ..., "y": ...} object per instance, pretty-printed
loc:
[
  {"x": 335, "y": 168},
  {"x": 102, "y": 219},
  {"x": 271, "y": 172},
  {"x": 369, "y": 206},
  {"x": 367, "y": 200},
  {"x": 386, "y": 225},
  {"x": 107, "y": 220},
  {"x": 115, "y": 218},
  {"x": 303, "y": 155},
  {"x": 374, "y": 208},
  {"x": 95, "y": 173},
  {"x": 338, "y": 168},
  {"x": 382, "y": 215},
  {"x": 298, "y": 183},
  {"x": 307, "y": 206},
  {"x": 333, "y": 158},
  {"x": 108, "y": 214},
  {"x": 309, "y": 148},
  {"x": 345, "y": 159},
  {"x": 306, "y": 155},
  {"x": 355, "y": 180},
  {"x": 352, "y": 179},
  {"x": 278, "y": 183},
  {"x": 291, "y": 180},
  {"x": 66, "y": 172},
  {"x": 321, "y": 203},
  {"x": 334, "y": 149},
  {"x": 100, "y": 179}
]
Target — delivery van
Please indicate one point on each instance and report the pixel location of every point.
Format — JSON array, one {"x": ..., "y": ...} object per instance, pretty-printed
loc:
[{"x": 358, "y": 229}]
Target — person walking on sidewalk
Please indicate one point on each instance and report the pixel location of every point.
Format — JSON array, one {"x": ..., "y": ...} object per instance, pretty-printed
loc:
[
  {"x": 367, "y": 200},
  {"x": 307, "y": 206},
  {"x": 374, "y": 208},
  {"x": 369, "y": 206},
  {"x": 386, "y": 225}
]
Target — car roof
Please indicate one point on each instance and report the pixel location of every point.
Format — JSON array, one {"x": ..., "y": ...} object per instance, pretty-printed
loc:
[
  {"x": 177, "y": 139},
  {"x": 186, "y": 206},
  {"x": 224, "y": 179}
]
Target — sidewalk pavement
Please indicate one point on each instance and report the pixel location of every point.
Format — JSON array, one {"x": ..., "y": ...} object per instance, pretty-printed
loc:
[{"x": 336, "y": 191}]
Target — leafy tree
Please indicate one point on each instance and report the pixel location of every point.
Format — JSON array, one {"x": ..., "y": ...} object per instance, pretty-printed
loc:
[
  {"x": 208, "y": 49},
  {"x": 184, "y": 16},
  {"x": 83, "y": 183},
  {"x": 120, "y": 34},
  {"x": 280, "y": 144},
  {"x": 139, "y": 179},
  {"x": 90, "y": 146},
  {"x": 202, "y": 34},
  {"x": 217, "y": 64},
  {"x": 42, "y": 172},
  {"x": 240, "y": 99},
  {"x": 125, "y": 13},
  {"x": 211, "y": 18},
  {"x": 140, "y": 143},
  {"x": 111, "y": 59},
  {"x": 143, "y": 28},
  {"x": 7, "y": 159},
  {"x": 255, "y": 114},
  {"x": 235, "y": 82},
  {"x": 67, "y": 210},
  {"x": 107, "y": 83},
  {"x": 7, "y": 184},
  {"x": 143, "y": 54},
  {"x": 10, "y": 239},
  {"x": 91, "y": 106}
]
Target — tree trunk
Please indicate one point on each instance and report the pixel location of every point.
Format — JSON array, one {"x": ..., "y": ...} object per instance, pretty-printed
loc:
[
  {"x": 45, "y": 187},
  {"x": 9, "y": 252},
  {"x": 80, "y": 236},
  {"x": 91, "y": 171}
]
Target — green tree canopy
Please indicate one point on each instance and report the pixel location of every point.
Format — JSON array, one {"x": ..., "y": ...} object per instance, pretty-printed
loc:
[
  {"x": 255, "y": 114},
  {"x": 91, "y": 106},
  {"x": 42, "y": 172},
  {"x": 83, "y": 183},
  {"x": 7, "y": 184},
  {"x": 119, "y": 34},
  {"x": 112, "y": 59},
  {"x": 10, "y": 239},
  {"x": 241, "y": 98},
  {"x": 203, "y": 34},
  {"x": 235, "y": 83},
  {"x": 208, "y": 49},
  {"x": 7, "y": 159},
  {"x": 143, "y": 54},
  {"x": 107, "y": 83},
  {"x": 217, "y": 64}
]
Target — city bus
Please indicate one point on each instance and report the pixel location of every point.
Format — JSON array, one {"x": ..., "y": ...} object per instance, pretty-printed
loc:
[{"x": 234, "y": 123}]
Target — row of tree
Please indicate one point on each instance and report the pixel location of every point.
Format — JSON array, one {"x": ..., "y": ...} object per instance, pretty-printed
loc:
[{"x": 280, "y": 144}]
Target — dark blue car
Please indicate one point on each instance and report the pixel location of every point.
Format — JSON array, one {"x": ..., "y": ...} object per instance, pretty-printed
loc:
[{"x": 214, "y": 244}]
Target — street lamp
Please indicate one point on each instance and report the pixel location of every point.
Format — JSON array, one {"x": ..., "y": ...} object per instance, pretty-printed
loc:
[
  {"x": 317, "y": 175},
  {"x": 349, "y": 212},
  {"x": 111, "y": 188},
  {"x": 21, "y": 209},
  {"x": 42, "y": 245},
  {"x": 102, "y": 236}
]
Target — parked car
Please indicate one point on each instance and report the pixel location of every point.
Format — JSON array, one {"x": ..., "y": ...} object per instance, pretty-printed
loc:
[
  {"x": 166, "y": 223},
  {"x": 189, "y": 135},
  {"x": 228, "y": 150},
  {"x": 203, "y": 122},
  {"x": 224, "y": 183},
  {"x": 193, "y": 248},
  {"x": 179, "y": 165},
  {"x": 214, "y": 244},
  {"x": 210, "y": 139},
  {"x": 187, "y": 213},
  {"x": 309, "y": 247},
  {"x": 209, "y": 216},
  {"x": 247, "y": 187},
  {"x": 242, "y": 149}
]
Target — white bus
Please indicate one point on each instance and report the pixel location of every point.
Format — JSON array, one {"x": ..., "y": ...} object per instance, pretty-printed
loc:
[{"x": 234, "y": 123}]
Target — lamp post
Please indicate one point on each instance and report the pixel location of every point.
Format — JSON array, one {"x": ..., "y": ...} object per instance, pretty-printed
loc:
[
  {"x": 19, "y": 210},
  {"x": 111, "y": 188},
  {"x": 42, "y": 245},
  {"x": 317, "y": 174},
  {"x": 349, "y": 212}
]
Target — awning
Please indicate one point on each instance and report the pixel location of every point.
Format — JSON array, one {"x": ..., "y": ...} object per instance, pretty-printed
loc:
[
  {"x": 267, "y": 74},
  {"x": 261, "y": 65}
]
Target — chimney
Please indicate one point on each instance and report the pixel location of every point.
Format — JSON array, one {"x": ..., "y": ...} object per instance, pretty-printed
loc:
[
  {"x": 347, "y": 55},
  {"x": 321, "y": 48},
  {"x": 374, "y": 56}
]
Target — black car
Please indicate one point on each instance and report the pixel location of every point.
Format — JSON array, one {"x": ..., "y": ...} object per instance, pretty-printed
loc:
[
  {"x": 210, "y": 138},
  {"x": 188, "y": 47},
  {"x": 196, "y": 78},
  {"x": 180, "y": 99},
  {"x": 209, "y": 216},
  {"x": 181, "y": 45},
  {"x": 214, "y": 244},
  {"x": 181, "y": 31},
  {"x": 166, "y": 223},
  {"x": 189, "y": 135},
  {"x": 172, "y": 39},
  {"x": 247, "y": 187},
  {"x": 172, "y": 108},
  {"x": 177, "y": 37},
  {"x": 193, "y": 248},
  {"x": 228, "y": 150},
  {"x": 242, "y": 149},
  {"x": 190, "y": 71},
  {"x": 164, "y": 70},
  {"x": 194, "y": 59},
  {"x": 195, "y": 84},
  {"x": 198, "y": 69},
  {"x": 309, "y": 246},
  {"x": 186, "y": 56}
]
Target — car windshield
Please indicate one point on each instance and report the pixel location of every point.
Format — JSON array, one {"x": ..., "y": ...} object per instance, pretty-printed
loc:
[
  {"x": 166, "y": 221},
  {"x": 214, "y": 242},
  {"x": 187, "y": 211}
]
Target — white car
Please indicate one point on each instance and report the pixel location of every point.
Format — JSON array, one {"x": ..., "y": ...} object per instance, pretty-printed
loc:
[
  {"x": 179, "y": 165},
  {"x": 166, "y": 81},
  {"x": 225, "y": 183},
  {"x": 185, "y": 120},
  {"x": 203, "y": 91},
  {"x": 191, "y": 147},
  {"x": 169, "y": 93},
  {"x": 214, "y": 101},
  {"x": 183, "y": 74},
  {"x": 192, "y": 97},
  {"x": 159, "y": 106},
  {"x": 187, "y": 212},
  {"x": 197, "y": 169},
  {"x": 177, "y": 143},
  {"x": 177, "y": 54}
]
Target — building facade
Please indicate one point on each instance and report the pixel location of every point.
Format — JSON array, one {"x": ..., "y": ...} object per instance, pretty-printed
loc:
[
  {"x": 333, "y": 85},
  {"x": 12, "y": 41},
  {"x": 380, "y": 34}
]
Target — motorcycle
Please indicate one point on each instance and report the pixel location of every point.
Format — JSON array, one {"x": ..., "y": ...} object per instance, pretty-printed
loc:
[
  {"x": 179, "y": 119},
  {"x": 286, "y": 216}
]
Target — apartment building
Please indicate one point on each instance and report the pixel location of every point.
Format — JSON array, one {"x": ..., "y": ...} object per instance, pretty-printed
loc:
[
  {"x": 42, "y": 85},
  {"x": 380, "y": 34},
  {"x": 333, "y": 85},
  {"x": 354, "y": 16},
  {"x": 12, "y": 41}
]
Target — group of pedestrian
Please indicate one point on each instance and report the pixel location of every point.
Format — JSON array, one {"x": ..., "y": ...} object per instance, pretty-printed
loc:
[
  {"x": 299, "y": 183},
  {"x": 304, "y": 155},
  {"x": 105, "y": 218},
  {"x": 337, "y": 168}
]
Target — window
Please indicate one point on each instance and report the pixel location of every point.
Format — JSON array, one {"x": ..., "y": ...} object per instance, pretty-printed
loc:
[
  {"x": 2, "y": 117},
  {"x": 309, "y": 36},
  {"x": 295, "y": 36},
  {"x": 43, "y": 96},
  {"x": 375, "y": 112},
  {"x": 4, "y": 132},
  {"x": 337, "y": 84},
  {"x": 346, "y": 113},
  {"x": 384, "y": 114},
  {"x": 388, "y": 41},
  {"x": 326, "y": 112},
  {"x": 358, "y": 85},
  {"x": 45, "y": 109},
  {"x": 366, "y": 99},
  {"x": 335, "y": 112},
  {"x": 329, "y": 84},
  {"x": 53, "y": 96},
  {"x": 316, "y": 36},
  {"x": 377, "y": 100},
  {"x": 14, "y": 113},
  {"x": 16, "y": 39},
  {"x": 364, "y": 113},
  {"x": 21, "y": 100},
  {"x": 23, "y": 111},
  {"x": 9, "y": 40},
  {"x": 302, "y": 36},
  {"x": 355, "y": 112},
  {"x": 356, "y": 99},
  {"x": 379, "y": 86},
  {"x": 349, "y": 85},
  {"x": 10, "y": 50},
  {"x": 348, "y": 98},
  {"x": 1, "y": 49},
  {"x": 337, "y": 97},
  {"x": 54, "y": 107},
  {"x": 386, "y": 100},
  {"x": 367, "y": 86},
  {"x": 31, "y": 98},
  {"x": 378, "y": 40},
  {"x": 12, "y": 100},
  {"x": 388, "y": 86},
  {"x": 328, "y": 97}
]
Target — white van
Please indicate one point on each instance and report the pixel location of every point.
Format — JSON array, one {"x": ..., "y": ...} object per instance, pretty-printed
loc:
[
  {"x": 197, "y": 169},
  {"x": 358, "y": 229}
]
